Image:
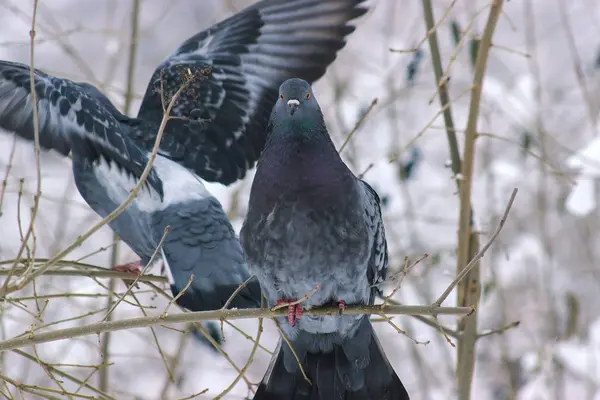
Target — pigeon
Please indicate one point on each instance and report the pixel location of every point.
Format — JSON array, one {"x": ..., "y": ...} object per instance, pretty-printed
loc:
[
  {"x": 230, "y": 74},
  {"x": 314, "y": 232},
  {"x": 107, "y": 165}
]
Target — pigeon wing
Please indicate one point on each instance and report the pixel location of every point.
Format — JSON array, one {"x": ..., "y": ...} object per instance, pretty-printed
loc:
[
  {"x": 69, "y": 114},
  {"x": 378, "y": 263},
  {"x": 232, "y": 72}
]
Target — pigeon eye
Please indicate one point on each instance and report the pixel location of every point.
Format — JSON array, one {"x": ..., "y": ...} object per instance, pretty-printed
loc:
[
  {"x": 307, "y": 95},
  {"x": 280, "y": 96}
]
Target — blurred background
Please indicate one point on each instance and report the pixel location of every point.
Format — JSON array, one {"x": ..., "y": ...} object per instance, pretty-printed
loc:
[{"x": 538, "y": 132}]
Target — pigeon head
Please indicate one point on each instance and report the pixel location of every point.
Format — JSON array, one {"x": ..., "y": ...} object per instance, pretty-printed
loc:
[
  {"x": 296, "y": 95},
  {"x": 297, "y": 109},
  {"x": 299, "y": 154}
]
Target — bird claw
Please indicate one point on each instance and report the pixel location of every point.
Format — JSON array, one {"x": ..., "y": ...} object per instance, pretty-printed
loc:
[
  {"x": 294, "y": 310},
  {"x": 342, "y": 306},
  {"x": 132, "y": 268}
]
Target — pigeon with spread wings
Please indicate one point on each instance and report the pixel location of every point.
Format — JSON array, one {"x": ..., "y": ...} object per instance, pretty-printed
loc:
[
  {"x": 232, "y": 71},
  {"x": 107, "y": 165},
  {"x": 223, "y": 118}
]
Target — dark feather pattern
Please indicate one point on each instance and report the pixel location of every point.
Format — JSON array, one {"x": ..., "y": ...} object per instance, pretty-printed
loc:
[
  {"x": 107, "y": 164},
  {"x": 70, "y": 114},
  {"x": 231, "y": 73},
  {"x": 238, "y": 65},
  {"x": 333, "y": 372},
  {"x": 205, "y": 246}
]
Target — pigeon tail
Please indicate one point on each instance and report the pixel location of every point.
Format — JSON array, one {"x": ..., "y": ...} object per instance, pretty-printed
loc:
[{"x": 349, "y": 370}]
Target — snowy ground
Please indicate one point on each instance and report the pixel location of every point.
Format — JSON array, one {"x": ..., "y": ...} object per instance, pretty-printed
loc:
[{"x": 542, "y": 271}]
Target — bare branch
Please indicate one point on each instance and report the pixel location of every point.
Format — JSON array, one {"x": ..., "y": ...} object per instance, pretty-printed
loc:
[
  {"x": 141, "y": 322},
  {"x": 36, "y": 146},
  {"x": 357, "y": 125},
  {"x": 480, "y": 254},
  {"x": 441, "y": 85},
  {"x": 499, "y": 331}
]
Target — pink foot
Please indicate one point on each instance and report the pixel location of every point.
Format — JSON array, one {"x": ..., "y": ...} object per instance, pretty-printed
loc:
[
  {"x": 294, "y": 310},
  {"x": 133, "y": 268}
]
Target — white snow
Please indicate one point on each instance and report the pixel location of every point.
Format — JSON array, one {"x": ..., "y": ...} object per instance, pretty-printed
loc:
[{"x": 583, "y": 198}]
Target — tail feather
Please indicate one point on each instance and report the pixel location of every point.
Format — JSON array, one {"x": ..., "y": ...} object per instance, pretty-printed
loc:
[
  {"x": 353, "y": 369},
  {"x": 279, "y": 384}
]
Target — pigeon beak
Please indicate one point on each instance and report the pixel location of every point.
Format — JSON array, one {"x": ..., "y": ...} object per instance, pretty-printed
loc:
[{"x": 292, "y": 106}]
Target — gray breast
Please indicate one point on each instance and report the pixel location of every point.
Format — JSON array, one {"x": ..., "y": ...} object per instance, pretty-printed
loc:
[{"x": 297, "y": 247}]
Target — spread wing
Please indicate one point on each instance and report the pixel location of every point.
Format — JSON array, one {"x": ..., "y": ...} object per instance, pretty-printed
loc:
[
  {"x": 69, "y": 114},
  {"x": 233, "y": 71}
]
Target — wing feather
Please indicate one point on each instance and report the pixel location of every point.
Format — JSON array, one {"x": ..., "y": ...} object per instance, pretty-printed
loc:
[
  {"x": 236, "y": 68},
  {"x": 69, "y": 114},
  {"x": 378, "y": 264}
]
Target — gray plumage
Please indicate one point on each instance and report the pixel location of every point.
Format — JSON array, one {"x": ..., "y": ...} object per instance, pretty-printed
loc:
[
  {"x": 312, "y": 222},
  {"x": 107, "y": 165},
  {"x": 233, "y": 70},
  {"x": 240, "y": 63}
]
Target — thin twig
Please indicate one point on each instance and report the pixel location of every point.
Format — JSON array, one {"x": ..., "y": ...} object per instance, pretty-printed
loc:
[
  {"x": 49, "y": 373},
  {"x": 155, "y": 338},
  {"x": 430, "y": 30},
  {"x": 174, "y": 363},
  {"x": 161, "y": 292},
  {"x": 400, "y": 275},
  {"x": 500, "y": 330},
  {"x": 357, "y": 125},
  {"x": 237, "y": 291},
  {"x": 555, "y": 170},
  {"x": 431, "y": 121},
  {"x": 97, "y": 274},
  {"x": 192, "y": 396},
  {"x": 289, "y": 343},
  {"x": 146, "y": 267},
  {"x": 442, "y": 88},
  {"x": 220, "y": 350},
  {"x": 36, "y": 144},
  {"x": 181, "y": 293},
  {"x": 9, "y": 165},
  {"x": 401, "y": 331},
  {"x": 577, "y": 63},
  {"x": 480, "y": 254},
  {"x": 427, "y": 321},
  {"x": 245, "y": 367},
  {"x": 250, "y": 338},
  {"x": 295, "y": 302}
]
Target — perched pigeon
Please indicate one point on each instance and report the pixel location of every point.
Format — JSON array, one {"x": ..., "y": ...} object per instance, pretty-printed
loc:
[
  {"x": 312, "y": 224},
  {"x": 232, "y": 71}
]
